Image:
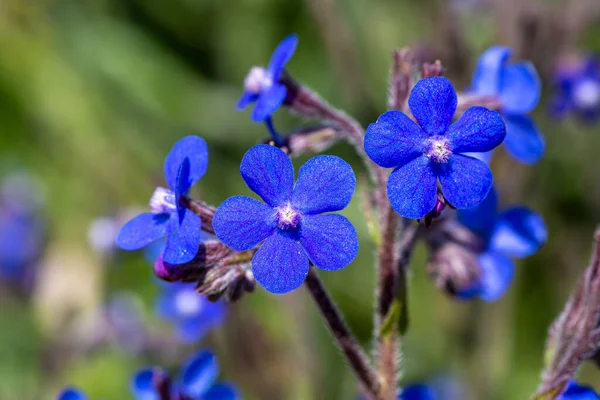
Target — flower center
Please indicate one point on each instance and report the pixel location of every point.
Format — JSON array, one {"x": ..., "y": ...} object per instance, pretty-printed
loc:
[
  {"x": 586, "y": 93},
  {"x": 438, "y": 149},
  {"x": 188, "y": 303},
  {"x": 287, "y": 217},
  {"x": 162, "y": 201},
  {"x": 258, "y": 80}
]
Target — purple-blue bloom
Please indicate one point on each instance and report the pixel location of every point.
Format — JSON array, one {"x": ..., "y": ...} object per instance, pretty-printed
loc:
[
  {"x": 431, "y": 149},
  {"x": 289, "y": 222},
  {"x": 71, "y": 393},
  {"x": 185, "y": 164},
  {"x": 196, "y": 382},
  {"x": 517, "y": 87},
  {"x": 516, "y": 232},
  {"x": 262, "y": 84},
  {"x": 575, "y": 391},
  {"x": 193, "y": 315},
  {"x": 578, "y": 90}
]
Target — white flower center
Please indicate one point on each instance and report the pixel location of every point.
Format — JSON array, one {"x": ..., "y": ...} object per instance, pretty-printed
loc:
[
  {"x": 258, "y": 80},
  {"x": 188, "y": 303},
  {"x": 586, "y": 93},
  {"x": 287, "y": 217},
  {"x": 162, "y": 201},
  {"x": 438, "y": 149}
]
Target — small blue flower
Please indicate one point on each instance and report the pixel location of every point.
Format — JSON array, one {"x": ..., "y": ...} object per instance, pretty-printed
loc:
[
  {"x": 432, "y": 149},
  {"x": 71, "y": 393},
  {"x": 193, "y": 315},
  {"x": 418, "y": 392},
  {"x": 578, "y": 90},
  {"x": 289, "y": 223},
  {"x": 516, "y": 232},
  {"x": 574, "y": 391},
  {"x": 197, "y": 381},
  {"x": 184, "y": 166},
  {"x": 262, "y": 84},
  {"x": 518, "y": 88}
]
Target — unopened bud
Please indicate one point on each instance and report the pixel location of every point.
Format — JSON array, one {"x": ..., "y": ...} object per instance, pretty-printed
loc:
[
  {"x": 454, "y": 269},
  {"x": 228, "y": 281}
]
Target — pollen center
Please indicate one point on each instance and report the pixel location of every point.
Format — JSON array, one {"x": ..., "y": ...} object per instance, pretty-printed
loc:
[
  {"x": 162, "y": 201},
  {"x": 258, "y": 80},
  {"x": 287, "y": 217},
  {"x": 586, "y": 93},
  {"x": 438, "y": 149}
]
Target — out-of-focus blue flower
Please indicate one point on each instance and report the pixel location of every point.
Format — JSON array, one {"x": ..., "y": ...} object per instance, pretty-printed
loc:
[
  {"x": 443, "y": 387},
  {"x": 193, "y": 315},
  {"x": 418, "y": 392},
  {"x": 71, "y": 394},
  {"x": 578, "y": 90},
  {"x": 432, "y": 149},
  {"x": 184, "y": 166},
  {"x": 196, "y": 382},
  {"x": 574, "y": 391},
  {"x": 289, "y": 222},
  {"x": 517, "y": 87},
  {"x": 262, "y": 84},
  {"x": 516, "y": 232}
]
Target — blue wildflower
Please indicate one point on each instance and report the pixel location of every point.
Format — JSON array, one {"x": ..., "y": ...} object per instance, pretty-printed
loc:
[
  {"x": 418, "y": 392},
  {"x": 432, "y": 149},
  {"x": 516, "y": 232},
  {"x": 289, "y": 222},
  {"x": 574, "y": 391},
  {"x": 578, "y": 90},
  {"x": 71, "y": 394},
  {"x": 517, "y": 87},
  {"x": 262, "y": 84},
  {"x": 193, "y": 315},
  {"x": 184, "y": 166},
  {"x": 197, "y": 382}
]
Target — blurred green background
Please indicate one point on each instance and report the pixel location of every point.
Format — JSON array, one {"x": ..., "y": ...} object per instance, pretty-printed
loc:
[{"x": 94, "y": 93}]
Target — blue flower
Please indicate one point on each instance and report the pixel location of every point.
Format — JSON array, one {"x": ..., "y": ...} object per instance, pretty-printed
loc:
[
  {"x": 517, "y": 87},
  {"x": 262, "y": 84},
  {"x": 578, "y": 90},
  {"x": 197, "y": 381},
  {"x": 71, "y": 394},
  {"x": 418, "y": 392},
  {"x": 289, "y": 222},
  {"x": 192, "y": 314},
  {"x": 184, "y": 166},
  {"x": 430, "y": 150},
  {"x": 574, "y": 391},
  {"x": 516, "y": 232}
]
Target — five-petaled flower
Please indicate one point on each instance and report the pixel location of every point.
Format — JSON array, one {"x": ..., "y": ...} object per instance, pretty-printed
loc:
[
  {"x": 430, "y": 150},
  {"x": 516, "y": 232},
  {"x": 578, "y": 89},
  {"x": 289, "y": 221},
  {"x": 517, "y": 87},
  {"x": 575, "y": 391},
  {"x": 262, "y": 84},
  {"x": 184, "y": 166}
]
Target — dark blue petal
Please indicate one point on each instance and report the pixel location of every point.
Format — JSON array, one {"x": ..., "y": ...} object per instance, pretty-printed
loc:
[
  {"x": 200, "y": 374},
  {"x": 523, "y": 140},
  {"x": 465, "y": 181},
  {"x": 412, "y": 188},
  {"x": 245, "y": 99},
  {"x": 478, "y": 130},
  {"x": 330, "y": 240},
  {"x": 268, "y": 172},
  {"x": 280, "y": 265},
  {"x": 325, "y": 183},
  {"x": 71, "y": 394},
  {"x": 394, "y": 140},
  {"x": 487, "y": 77},
  {"x": 497, "y": 272},
  {"x": 221, "y": 391},
  {"x": 192, "y": 147},
  {"x": 433, "y": 103},
  {"x": 142, "y": 230},
  {"x": 418, "y": 392},
  {"x": 241, "y": 222},
  {"x": 268, "y": 102},
  {"x": 182, "y": 187},
  {"x": 142, "y": 385},
  {"x": 519, "y": 232},
  {"x": 481, "y": 219},
  {"x": 520, "y": 88},
  {"x": 282, "y": 54},
  {"x": 182, "y": 244},
  {"x": 575, "y": 391}
]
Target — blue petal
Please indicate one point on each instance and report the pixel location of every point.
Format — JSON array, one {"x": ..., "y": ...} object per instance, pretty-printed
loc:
[
  {"x": 433, "y": 103},
  {"x": 523, "y": 140},
  {"x": 221, "y": 391},
  {"x": 142, "y": 230},
  {"x": 182, "y": 244},
  {"x": 330, "y": 240},
  {"x": 268, "y": 172},
  {"x": 268, "y": 102},
  {"x": 142, "y": 385},
  {"x": 412, "y": 188},
  {"x": 182, "y": 187},
  {"x": 482, "y": 218},
  {"x": 519, "y": 232},
  {"x": 241, "y": 222},
  {"x": 575, "y": 391},
  {"x": 520, "y": 88},
  {"x": 478, "y": 130},
  {"x": 192, "y": 147},
  {"x": 465, "y": 181},
  {"x": 497, "y": 272},
  {"x": 200, "y": 374},
  {"x": 483, "y": 157},
  {"x": 71, "y": 394},
  {"x": 418, "y": 392},
  {"x": 280, "y": 265},
  {"x": 325, "y": 183},
  {"x": 394, "y": 140},
  {"x": 245, "y": 99},
  {"x": 282, "y": 54},
  {"x": 487, "y": 76}
]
